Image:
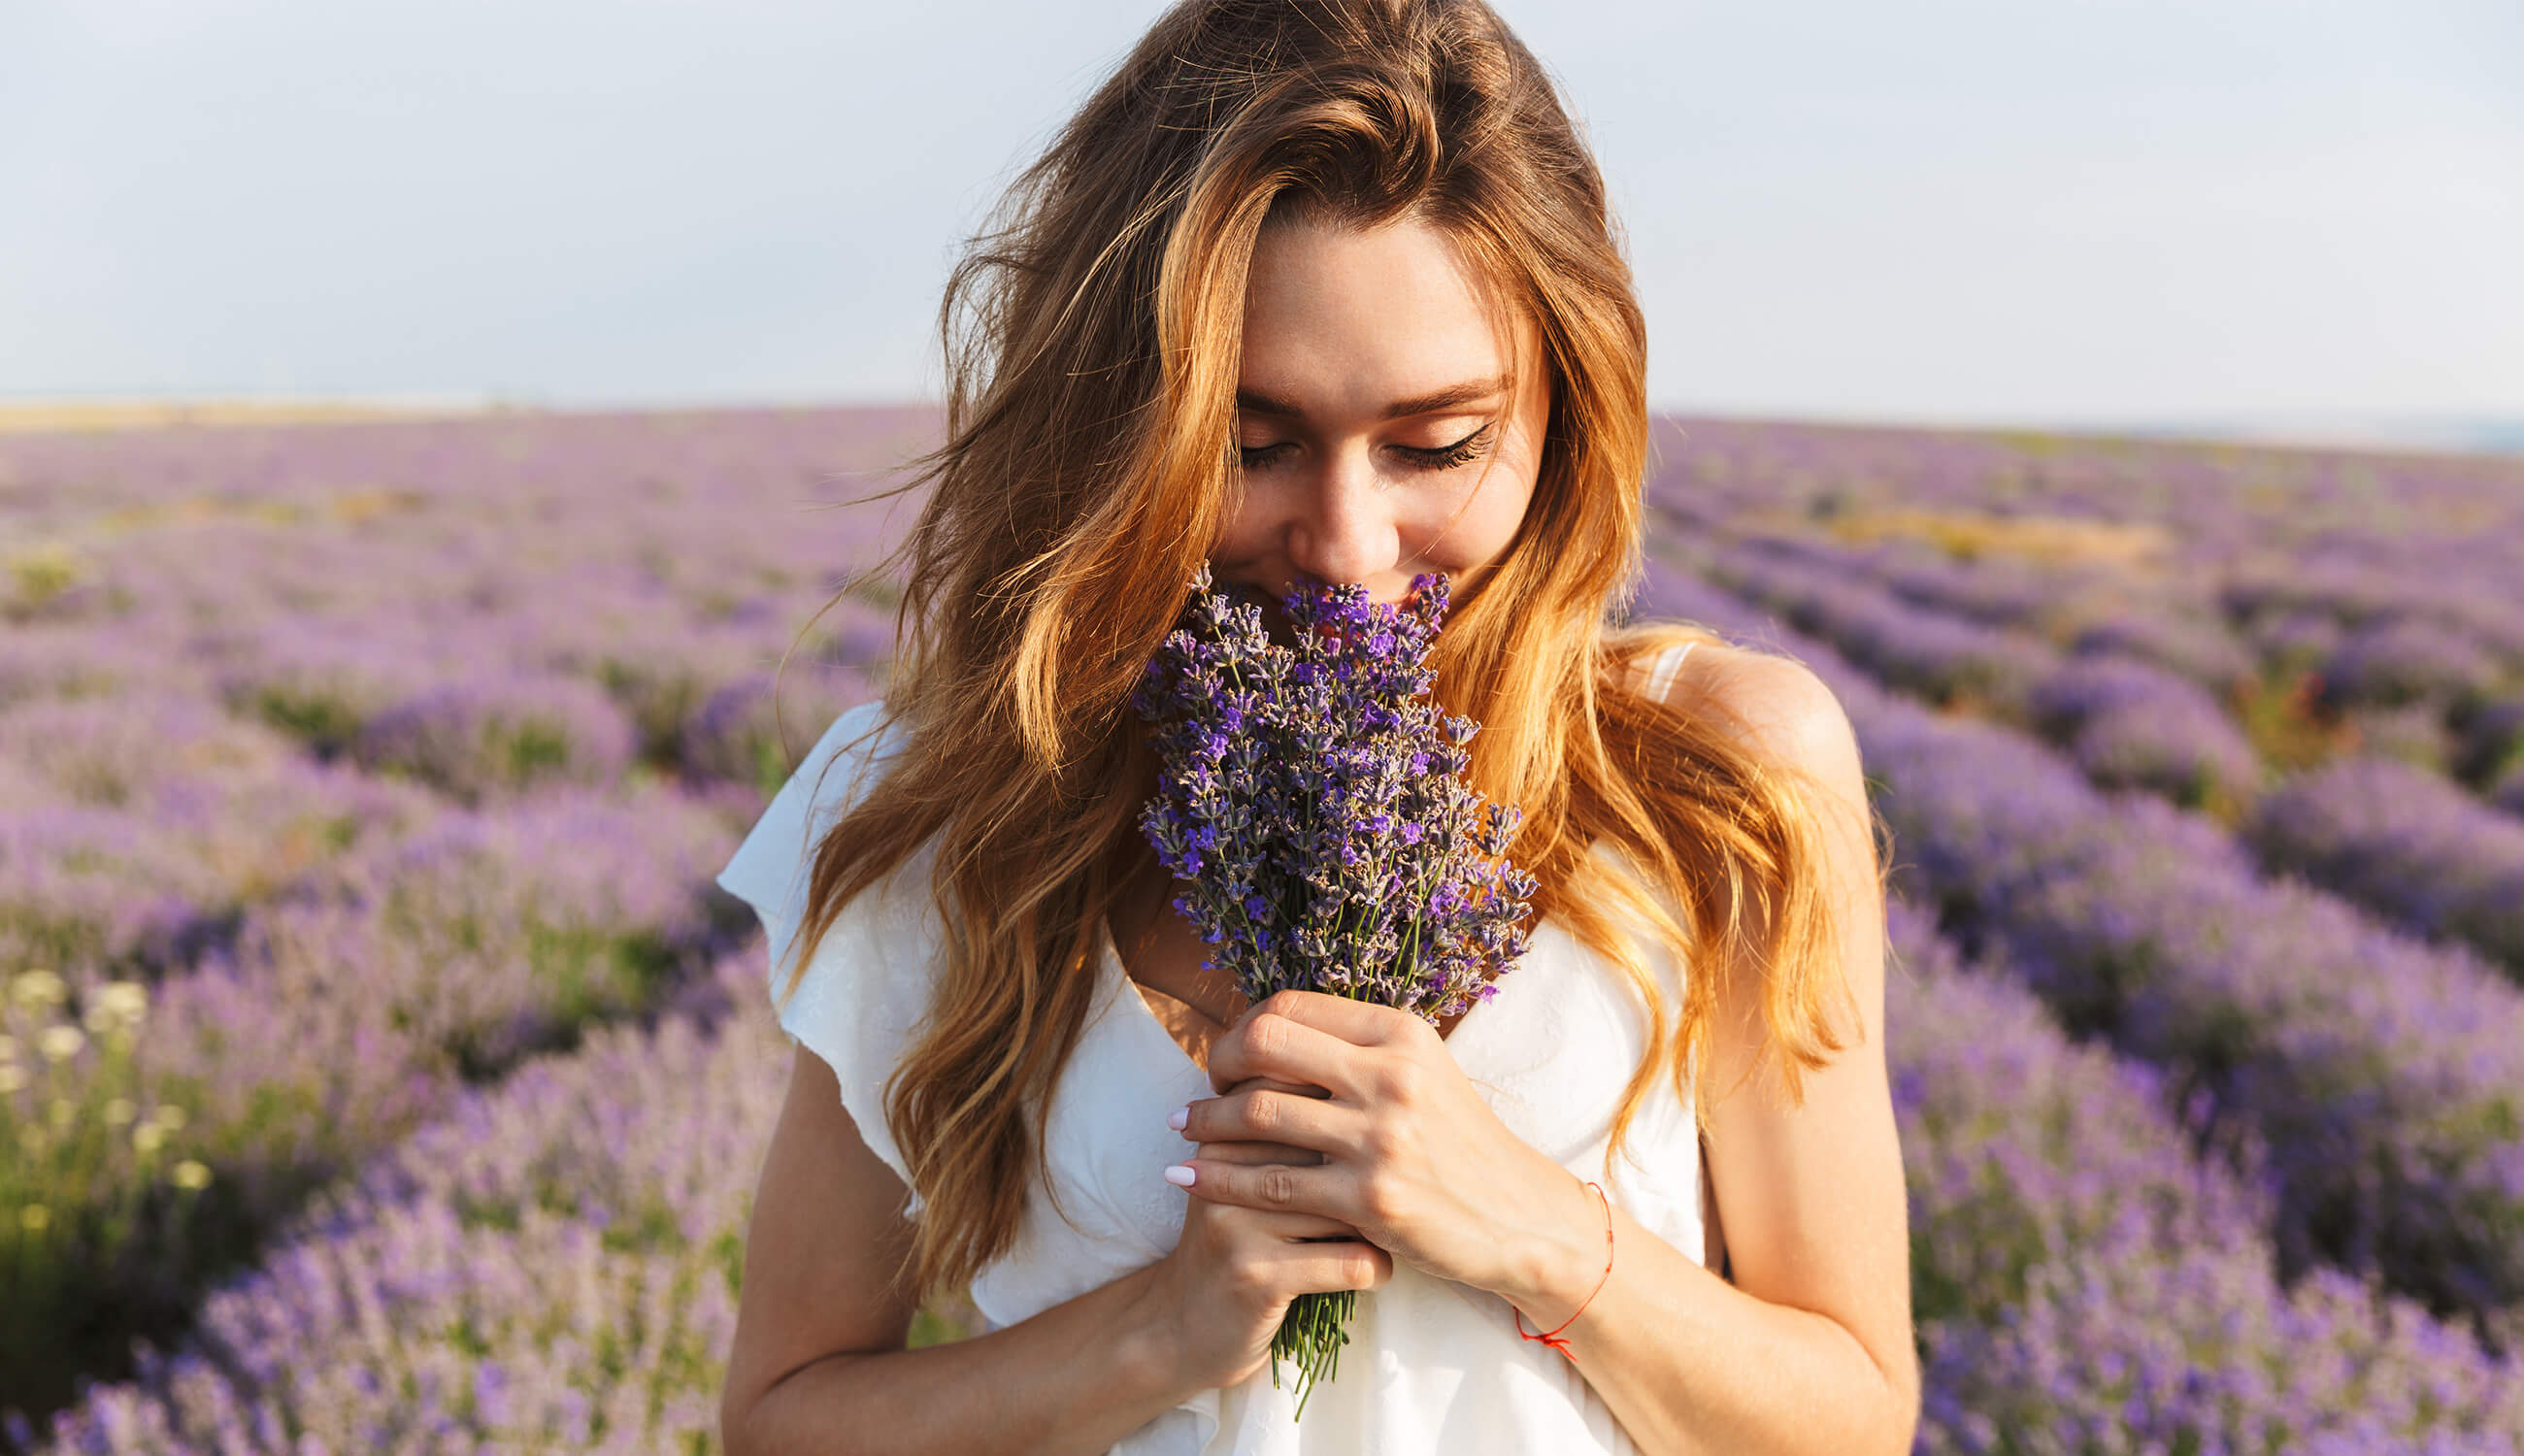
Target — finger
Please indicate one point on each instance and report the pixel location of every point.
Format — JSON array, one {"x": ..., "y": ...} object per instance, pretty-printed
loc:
[
  {"x": 1261, "y": 1114},
  {"x": 1330, "y": 1267},
  {"x": 1267, "y": 1041},
  {"x": 1302, "y": 1089},
  {"x": 1254, "y": 1151},
  {"x": 1296, "y": 1227},
  {"x": 1278, "y": 1186},
  {"x": 1359, "y": 1023}
]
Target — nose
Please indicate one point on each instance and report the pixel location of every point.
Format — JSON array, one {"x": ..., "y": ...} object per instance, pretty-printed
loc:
[{"x": 1340, "y": 524}]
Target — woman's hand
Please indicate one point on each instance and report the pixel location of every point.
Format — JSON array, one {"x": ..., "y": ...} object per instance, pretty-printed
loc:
[
  {"x": 1409, "y": 1155},
  {"x": 1233, "y": 1271}
]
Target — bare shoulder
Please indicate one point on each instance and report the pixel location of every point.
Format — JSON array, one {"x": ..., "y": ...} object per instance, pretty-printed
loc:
[
  {"x": 1810, "y": 1188},
  {"x": 1777, "y": 705}
]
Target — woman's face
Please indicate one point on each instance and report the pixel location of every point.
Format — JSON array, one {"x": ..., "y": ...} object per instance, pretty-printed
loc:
[{"x": 1363, "y": 462}]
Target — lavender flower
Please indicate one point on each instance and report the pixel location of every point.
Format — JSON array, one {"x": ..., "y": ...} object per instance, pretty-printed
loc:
[
  {"x": 2407, "y": 844},
  {"x": 2378, "y": 1070},
  {"x": 2397, "y": 659},
  {"x": 1310, "y": 800}
]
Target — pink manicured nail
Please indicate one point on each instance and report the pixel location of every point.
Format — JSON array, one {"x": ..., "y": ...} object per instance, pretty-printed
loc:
[
  {"x": 1179, "y": 1175},
  {"x": 1179, "y": 1117}
]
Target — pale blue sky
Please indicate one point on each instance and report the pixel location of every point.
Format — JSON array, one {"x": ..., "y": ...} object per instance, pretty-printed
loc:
[{"x": 1946, "y": 211}]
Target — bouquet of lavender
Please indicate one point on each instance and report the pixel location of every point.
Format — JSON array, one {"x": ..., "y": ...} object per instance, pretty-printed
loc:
[{"x": 1308, "y": 798}]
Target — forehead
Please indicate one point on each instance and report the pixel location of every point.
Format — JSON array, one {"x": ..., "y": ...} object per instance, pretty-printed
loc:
[{"x": 1342, "y": 317}]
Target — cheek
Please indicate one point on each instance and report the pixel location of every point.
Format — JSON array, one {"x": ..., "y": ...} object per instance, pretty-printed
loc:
[
  {"x": 1237, "y": 535},
  {"x": 1487, "y": 523}
]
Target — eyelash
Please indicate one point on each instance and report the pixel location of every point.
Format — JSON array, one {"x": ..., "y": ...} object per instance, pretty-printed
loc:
[{"x": 1445, "y": 457}]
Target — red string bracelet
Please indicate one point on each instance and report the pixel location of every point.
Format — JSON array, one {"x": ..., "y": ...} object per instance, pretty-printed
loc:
[{"x": 1562, "y": 1345}]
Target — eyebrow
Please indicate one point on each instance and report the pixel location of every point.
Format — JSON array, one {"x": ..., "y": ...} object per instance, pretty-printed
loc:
[{"x": 1252, "y": 401}]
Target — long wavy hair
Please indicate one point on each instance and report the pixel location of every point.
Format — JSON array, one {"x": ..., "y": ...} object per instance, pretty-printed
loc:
[{"x": 1086, "y": 474}]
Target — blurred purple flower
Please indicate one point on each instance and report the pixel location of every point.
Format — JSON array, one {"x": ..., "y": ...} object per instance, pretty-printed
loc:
[
  {"x": 2407, "y": 843},
  {"x": 481, "y": 738}
]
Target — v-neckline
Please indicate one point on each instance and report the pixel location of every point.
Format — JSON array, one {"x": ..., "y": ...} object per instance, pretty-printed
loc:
[{"x": 1128, "y": 989}]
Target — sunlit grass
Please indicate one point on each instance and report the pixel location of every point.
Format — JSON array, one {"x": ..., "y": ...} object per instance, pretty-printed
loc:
[
  {"x": 2286, "y": 723},
  {"x": 1973, "y": 534}
]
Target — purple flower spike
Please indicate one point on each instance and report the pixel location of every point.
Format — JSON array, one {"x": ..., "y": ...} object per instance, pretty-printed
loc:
[{"x": 1310, "y": 798}]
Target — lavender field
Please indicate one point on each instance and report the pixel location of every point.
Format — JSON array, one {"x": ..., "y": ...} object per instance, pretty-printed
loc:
[{"x": 382, "y": 1071}]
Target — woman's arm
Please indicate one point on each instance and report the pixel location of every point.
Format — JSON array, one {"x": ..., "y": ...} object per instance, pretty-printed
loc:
[
  {"x": 1076, "y": 1378},
  {"x": 1811, "y": 1348},
  {"x": 818, "y": 1364}
]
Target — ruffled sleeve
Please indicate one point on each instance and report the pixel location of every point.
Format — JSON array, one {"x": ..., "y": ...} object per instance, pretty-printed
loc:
[{"x": 866, "y": 984}]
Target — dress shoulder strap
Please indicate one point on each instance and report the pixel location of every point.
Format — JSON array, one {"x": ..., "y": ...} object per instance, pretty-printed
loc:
[{"x": 1666, "y": 666}]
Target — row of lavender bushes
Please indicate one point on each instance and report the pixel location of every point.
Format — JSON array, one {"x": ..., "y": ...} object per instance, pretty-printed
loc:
[
  {"x": 162, "y": 1121},
  {"x": 2414, "y": 682},
  {"x": 555, "y": 1265},
  {"x": 2291, "y": 552},
  {"x": 2394, "y": 675},
  {"x": 2127, "y": 722},
  {"x": 2403, "y": 841},
  {"x": 2406, "y": 841},
  {"x": 551, "y": 1265},
  {"x": 2363, "y": 650},
  {"x": 2083, "y": 1282},
  {"x": 291, "y": 856},
  {"x": 2383, "y": 1072},
  {"x": 61, "y": 649},
  {"x": 696, "y": 711}
]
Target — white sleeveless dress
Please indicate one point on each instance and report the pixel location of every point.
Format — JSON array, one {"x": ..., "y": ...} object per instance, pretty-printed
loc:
[{"x": 1432, "y": 1365}]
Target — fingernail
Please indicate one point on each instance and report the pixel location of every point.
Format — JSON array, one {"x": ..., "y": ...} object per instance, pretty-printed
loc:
[
  {"x": 1179, "y": 1117},
  {"x": 1179, "y": 1175}
]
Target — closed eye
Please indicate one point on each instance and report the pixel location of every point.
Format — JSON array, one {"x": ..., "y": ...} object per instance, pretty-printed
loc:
[{"x": 1441, "y": 458}]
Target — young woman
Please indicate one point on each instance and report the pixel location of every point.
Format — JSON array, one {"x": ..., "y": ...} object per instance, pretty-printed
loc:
[{"x": 1317, "y": 290}]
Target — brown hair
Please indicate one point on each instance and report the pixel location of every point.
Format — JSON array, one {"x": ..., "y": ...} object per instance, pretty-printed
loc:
[{"x": 1085, "y": 476}]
